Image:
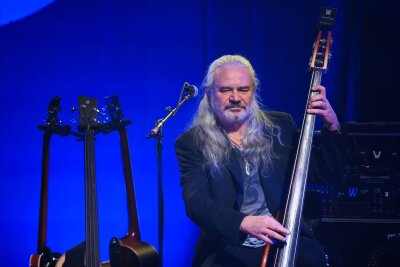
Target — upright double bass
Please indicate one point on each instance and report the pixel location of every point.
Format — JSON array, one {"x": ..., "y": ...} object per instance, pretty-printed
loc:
[{"x": 285, "y": 255}]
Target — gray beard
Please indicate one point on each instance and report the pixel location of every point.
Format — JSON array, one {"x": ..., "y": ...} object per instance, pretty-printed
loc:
[
  {"x": 232, "y": 117},
  {"x": 227, "y": 116}
]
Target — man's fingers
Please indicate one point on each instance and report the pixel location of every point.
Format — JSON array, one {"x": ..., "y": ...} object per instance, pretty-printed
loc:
[
  {"x": 277, "y": 227},
  {"x": 266, "y": 239},
  {"x": 265, "y": 228},
  {"x": 275, "y": 235},
  {"x": 320, "y": 89}
]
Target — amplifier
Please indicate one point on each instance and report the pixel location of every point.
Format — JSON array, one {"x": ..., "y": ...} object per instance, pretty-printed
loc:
[
  {"x": 369, "y": 190},
  {"x": 361, "y": 202},
  {"x": 361, "y": 212}
]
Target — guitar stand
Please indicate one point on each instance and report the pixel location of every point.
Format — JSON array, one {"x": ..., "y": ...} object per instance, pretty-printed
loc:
[{"x": 126, "y": 251}]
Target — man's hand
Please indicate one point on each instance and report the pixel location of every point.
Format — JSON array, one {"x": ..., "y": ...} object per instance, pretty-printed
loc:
[
  {"x": 264, "y": 227},
  {"x": 319, "y": 105}
]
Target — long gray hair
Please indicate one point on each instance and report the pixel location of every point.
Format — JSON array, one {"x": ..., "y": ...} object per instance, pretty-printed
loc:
[{"x": 212, "y": 138}]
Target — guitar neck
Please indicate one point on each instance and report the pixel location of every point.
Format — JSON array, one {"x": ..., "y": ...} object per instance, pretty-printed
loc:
[
  {"x": 133, "y": 224},
  {"x": 44, "y": 193}
]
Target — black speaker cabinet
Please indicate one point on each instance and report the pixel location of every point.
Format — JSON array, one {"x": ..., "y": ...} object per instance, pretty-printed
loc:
[{"x": 360, "y": 244}]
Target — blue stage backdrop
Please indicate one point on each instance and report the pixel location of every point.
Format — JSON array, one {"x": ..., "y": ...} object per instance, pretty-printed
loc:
[{"x": 143, "y": 51}]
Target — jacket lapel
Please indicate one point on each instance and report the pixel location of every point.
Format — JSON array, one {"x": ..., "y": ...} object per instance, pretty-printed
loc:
[{"x": 235, "y": 170}]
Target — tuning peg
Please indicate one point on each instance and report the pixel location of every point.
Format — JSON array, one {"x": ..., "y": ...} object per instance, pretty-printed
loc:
[
  {"x": 98, "y": 111},
  {"x": 114, "y": 108},
  {"x": 104, "y": 110},
  {"x": 106, "y": 120},
  {"x": 168, "y": 109}
]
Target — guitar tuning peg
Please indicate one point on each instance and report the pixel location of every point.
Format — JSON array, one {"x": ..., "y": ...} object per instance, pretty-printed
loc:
[
  {"x": 99, "y": 112},
  {"x": 95, "y": 121},
  {"x": 168, "y": 109},
  {"x": 106, "y": 120}
]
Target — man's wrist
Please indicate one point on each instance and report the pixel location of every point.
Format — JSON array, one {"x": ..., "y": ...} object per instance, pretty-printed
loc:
[{"x": 333, "y": 129}]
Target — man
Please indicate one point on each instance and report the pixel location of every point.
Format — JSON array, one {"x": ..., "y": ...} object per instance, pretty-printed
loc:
[{"x": 234, "y": 165}]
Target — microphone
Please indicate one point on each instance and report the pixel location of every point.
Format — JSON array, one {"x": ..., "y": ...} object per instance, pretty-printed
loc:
[{"x": 190, "y": 89}]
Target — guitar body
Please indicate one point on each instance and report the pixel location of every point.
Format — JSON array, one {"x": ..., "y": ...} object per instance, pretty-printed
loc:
[
  {"x": 34, "y": 260},
  {"x": 61, "y": 261},
  {"x": 45, "y": 259},
  {"x": 129, "y": 252}
]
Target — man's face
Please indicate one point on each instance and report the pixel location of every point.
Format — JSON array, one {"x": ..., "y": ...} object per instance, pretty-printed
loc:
[{"x": 232, "y": 95}]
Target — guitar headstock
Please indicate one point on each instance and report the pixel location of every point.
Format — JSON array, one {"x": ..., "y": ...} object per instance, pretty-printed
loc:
[
  {"x": 116, "y": 116},
  {"x": 87, "y": 113},
  {"x": 53, "y": 124},
  {"x": 322, "y": 46},
  {"x": 52, "y": 112},
  {"x": 114, "y": 108}
]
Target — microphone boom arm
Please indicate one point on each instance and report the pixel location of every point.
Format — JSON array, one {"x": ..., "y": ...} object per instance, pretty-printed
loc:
[{"x": 159, "y": 123}]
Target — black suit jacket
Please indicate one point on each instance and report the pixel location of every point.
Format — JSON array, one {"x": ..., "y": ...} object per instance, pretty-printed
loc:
[{"x": 213, "y": 200}]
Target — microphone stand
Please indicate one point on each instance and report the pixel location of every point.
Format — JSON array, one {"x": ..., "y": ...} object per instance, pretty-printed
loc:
[
  {"x": 157, "y": 133},
  {"x": 160, "y": 195}
]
